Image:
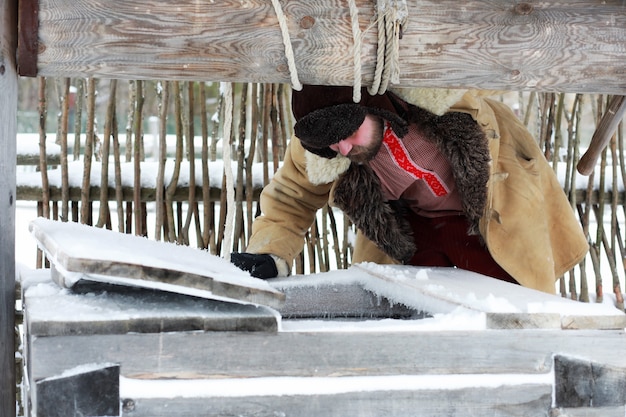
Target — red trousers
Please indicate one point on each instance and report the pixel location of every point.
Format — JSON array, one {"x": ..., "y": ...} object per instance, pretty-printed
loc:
[{"x": 443, "y": 241}]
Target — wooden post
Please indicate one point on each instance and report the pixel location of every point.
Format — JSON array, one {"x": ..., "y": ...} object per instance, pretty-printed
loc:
[
  {"x": 552, "y": 45},
  {"x": 8, "y": 126}
]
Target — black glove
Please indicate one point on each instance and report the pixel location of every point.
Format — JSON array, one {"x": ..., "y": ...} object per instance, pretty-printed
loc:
[{"x": 259, "y": 265}]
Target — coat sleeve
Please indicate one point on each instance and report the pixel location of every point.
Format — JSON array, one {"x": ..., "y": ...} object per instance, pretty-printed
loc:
[{"x": 288, "y": 205}]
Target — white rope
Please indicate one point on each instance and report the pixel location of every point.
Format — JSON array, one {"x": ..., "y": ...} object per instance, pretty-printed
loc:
[
  {"x": 227, "y": 91},
  {"x": 356, "y": 51},
  {"x": 391, "y": 16},
  {"x": 380, "y": 50},
  {"x": 291, "y": 62}
]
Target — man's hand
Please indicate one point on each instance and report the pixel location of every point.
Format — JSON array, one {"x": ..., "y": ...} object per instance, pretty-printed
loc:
[{"x": 259, "y": 265}]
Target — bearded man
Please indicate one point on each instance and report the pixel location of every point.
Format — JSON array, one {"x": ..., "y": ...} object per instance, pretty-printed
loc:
[{"x": 429, "y": 177}]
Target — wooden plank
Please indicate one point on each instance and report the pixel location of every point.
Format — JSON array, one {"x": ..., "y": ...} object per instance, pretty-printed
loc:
[
  {"x": 505, "y": 305},
  {"x": 96, "y": 308},
  {"x": 92, "y": 390},
  {"x": 28, "y": 42},
  {"x": 574, "y": 46},
  {"x": 79, "y": 251},
  {"x": 197, "y": 355},
  {"x": 585, "y": 383},
  {"x": 503, "y": 401},
  {"x": 336, "y": 295},
  {"x": 619, "y": 411},
  {"x": 8, "y": 128}
]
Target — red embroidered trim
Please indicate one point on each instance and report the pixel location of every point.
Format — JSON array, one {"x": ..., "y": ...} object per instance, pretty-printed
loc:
[{"x": 402, "y": 159}]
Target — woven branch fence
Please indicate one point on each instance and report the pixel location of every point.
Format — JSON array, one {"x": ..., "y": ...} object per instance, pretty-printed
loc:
[{"x": 149, "y": 161}]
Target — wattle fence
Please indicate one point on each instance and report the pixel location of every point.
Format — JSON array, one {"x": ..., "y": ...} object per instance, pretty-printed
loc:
[{"x": 151, "y": 157}]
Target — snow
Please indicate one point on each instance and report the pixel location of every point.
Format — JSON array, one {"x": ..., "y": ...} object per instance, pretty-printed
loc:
[
  {"x": 28, "y": 144},
  {"x": 148, "y": 175},
  {"x": 81, "y": 369},
  {"x": 457, "y": 320},
  {"x": 280, "y": 386},
  {"x": 449, "y": 288},
  {"x": 97, "y": 244},
  {"x": 101, "y": 307},
  {"x": 50, "y": 303}
]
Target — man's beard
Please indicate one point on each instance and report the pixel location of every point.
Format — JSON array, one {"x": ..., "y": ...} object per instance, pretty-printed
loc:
[{"x": 361, "y": 154}]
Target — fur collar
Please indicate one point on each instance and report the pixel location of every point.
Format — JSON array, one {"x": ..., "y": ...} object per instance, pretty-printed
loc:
[
  {"x": 357, "y": 190},
  {"x": 435, "y": 100},
  {"x": 322, "y": 170}
]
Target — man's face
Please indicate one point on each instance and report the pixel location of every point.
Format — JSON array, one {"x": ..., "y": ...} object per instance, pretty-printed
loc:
[{"x": 362, "y": 145}]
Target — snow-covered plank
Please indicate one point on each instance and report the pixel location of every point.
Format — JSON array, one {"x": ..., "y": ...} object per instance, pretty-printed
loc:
[
  {"x": 336, "y": 295},
  {"x": 100, "y": 309},
  {"x": 505, "y": 305},
  {"x": 505, "y": 400},
  {"x": 81, "y": 252}
]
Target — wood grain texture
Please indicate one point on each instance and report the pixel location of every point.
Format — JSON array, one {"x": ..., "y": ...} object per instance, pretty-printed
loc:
[
  {"x": 553, "y": 45},
  {"x": 196, "y": 355},
  {"x": 578, "y": 45},
  {"x": 8, "y": 130},
  {"x": 584, "y": 383},
  {"x": 28, "y": 43},
  {"x": 114, "y": 309},
  {"x": 504, "y": 401}
]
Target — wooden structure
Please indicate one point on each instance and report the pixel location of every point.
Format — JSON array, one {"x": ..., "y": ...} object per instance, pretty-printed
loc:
[
  {"x": 8, "y": 126},
  {"x": 504, "y": 45},
  {"x": 551, "y": 46},
  {"x": 350, "y": 342}
]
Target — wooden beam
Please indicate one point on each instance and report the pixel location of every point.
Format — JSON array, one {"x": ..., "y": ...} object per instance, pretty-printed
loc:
[
  {"x": 573, "y": 46},
  {"x": 8, "y": 127},
  {"x": 203, "y": 355},
  {"x": 28, "y": 37}
]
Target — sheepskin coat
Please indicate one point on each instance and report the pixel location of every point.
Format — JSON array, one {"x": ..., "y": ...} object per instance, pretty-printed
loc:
[{"x": 517, "y": 205}]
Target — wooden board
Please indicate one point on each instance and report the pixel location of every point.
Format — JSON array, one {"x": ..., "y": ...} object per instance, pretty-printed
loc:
[
  {"x": 337, "y": 295},
  {"x": 503, "y": 401},
  {"x": 198, "y": 355},
  {"x": 584, "y": 383},
  {"x": 81, "y": 252},
  {"x": 403, "y": 372},
  {"x": 92, "y": 390},
  {"x": 505, "y": 305},
  {"x": 486, "y": 44},
  {"x": 8, "y": 131},
  {"x": 424, "y": 292},
  {"x": 111, "y": 309}
]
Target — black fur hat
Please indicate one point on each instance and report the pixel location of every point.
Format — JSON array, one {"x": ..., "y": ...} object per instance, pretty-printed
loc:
[{"x": 329, "y": 125}]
